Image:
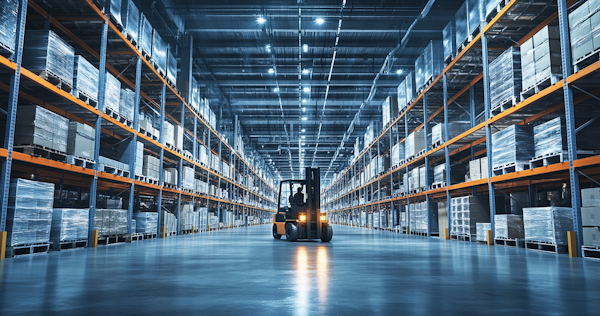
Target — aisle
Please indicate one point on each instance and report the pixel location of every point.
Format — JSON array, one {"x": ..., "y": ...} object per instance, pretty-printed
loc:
[{"x": 243, "y": 271}]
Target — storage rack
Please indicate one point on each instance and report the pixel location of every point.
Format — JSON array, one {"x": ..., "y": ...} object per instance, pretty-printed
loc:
[
  {"x": 463, "y": 86},
  {"x": 101, "y": 41}
]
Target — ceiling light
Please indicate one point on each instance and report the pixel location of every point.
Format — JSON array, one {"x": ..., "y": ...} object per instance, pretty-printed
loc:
[
  {"x": 276, "y": 90},
  {"x": 303, "y": 100},
  {"x": 303, "y": 130},
  {"x": 303, "y": 144},
  {"x": 306, "y": 89},
  {"x": 305, "y": 48},
  {"x": 261, "y": 20},
  {"x": 399, "y": 71},
  {"x": 304, "y": 118},
  {"x": 303, "y": 109},
  {"x": 320, "y": 21},
  {"x": 271, "y": 70},
  {"x": 268, "y": 47},
  {"x": 305, "y": 71}
]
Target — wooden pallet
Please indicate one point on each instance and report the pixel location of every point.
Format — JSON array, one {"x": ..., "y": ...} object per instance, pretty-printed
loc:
[
  {"x": 55, "y": 80},
  {"x": 112, "y": 239},
  {"x": 134, "y": 237},
  {"x": 113, "y": 170},
  {"x": 590, "y": 252},
  {"x": 130, "y": 38},
  {"x": 504, "y": 105},
  {"x": 40, "y": 151},
  {"x": 437, "y": 185},
  {"x": 510, "y": 168},
  {"x": 118, "y": 117},
  {"x": 516, "y": 242},
  {"x": 149, "y": 235},
  {"x": 6, "y": 51},
  {"x": 496, "y": 10},
  {"x": 80, "y": 162},
  {"x": 463, "y": 237},
  {"x": 85, "y": 98},
  {"x": 28, "y": 249},
  {"x": 548, "y": 159},
  {"x": 586, "y": 60},
  {"x": 540, "y": 85},
  {"x": 139, "y": 177},
  {"x": 69, "y": 244},
  {"x": 545, "y": 246}
]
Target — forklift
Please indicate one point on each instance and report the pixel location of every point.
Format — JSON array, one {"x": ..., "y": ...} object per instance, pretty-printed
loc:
[{"x": 297, "y": 218}]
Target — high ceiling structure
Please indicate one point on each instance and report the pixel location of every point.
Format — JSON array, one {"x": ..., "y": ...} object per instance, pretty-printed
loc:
[{"x": 272, "y": 64}]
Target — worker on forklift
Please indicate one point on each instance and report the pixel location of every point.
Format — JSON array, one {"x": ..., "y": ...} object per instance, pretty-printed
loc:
[{"x": 298, "y": 198}]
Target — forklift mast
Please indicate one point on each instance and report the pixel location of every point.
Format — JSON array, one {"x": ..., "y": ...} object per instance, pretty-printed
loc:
[{"x": 313, "y": 202}]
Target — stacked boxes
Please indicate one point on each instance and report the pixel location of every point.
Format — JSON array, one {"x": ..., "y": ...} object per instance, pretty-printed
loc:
[
  {"x": 145, "y": 35},
  {"x": 514, "y": 144},
  {"x": 550, "y": 137},
  {"x": 462, "y": 24},
  {"x": 168, "y": 130},
  {"x": 110, "y": 222},
  {"x": 125, "y": 155},
  {"x": 151, "y": 167},
  {"x": 130, "y": 16},
  {"x": 449, "y": 35},
  {"x": 69, "y": 224},
  {"x": 170, "y": 176},
  {"x": 406, "y": 92},
  {"x": 38, "y": 126},
  {"x": 81, "y": 140},
  {"x": 146, "y": 222},
  {"x": 127, "y": 103},
  {"x": 29, "y": 212},
  {"x": 370, "y": 134},
  {"x": 439, "y": 173},
  {"x": 590, "y": 216},
  {"x": 44, "y": 51},
  {"x": 85, "y": 78},
  {"x": 509, "y": 226},
  {"x": 491, "y": 5},
  {"x": 159, "y": 51},
  {"x": 580, "y": 29},
  {"x": 215, "y": 162},
  {"x": 415, "y": 142},
  {"x": 433, "y": 56},
  {"x": 397, "y": 154},
  {"x": 420, "y": 221},
  {"x": 424, "y": 180},
  {"x": 148, "y": 127},
  {"x": 474, "y": 15},
  {"x": 110, "y": 162},
  {"x": 389, "y": 109},
  {"x": 8, "y": 25},
  {"x": 528, "y": 65},
  {"x": 546, "y": 50},
  {"x": 505, "y": 78},
  {"x": 438, "y": 132},
  {"x": 482, "y": 229},
  {"x": 466, "y": 212},
  {"x": 201, "y": 186},
  {"x": 547, "y": 224},
  {"x": 413, "y": 179},
  {"x": 178, "y": 136},
  {"x": 112, "y": 92},
  {"x": 478, "y": 169},
  {"x": 168, "y": 222},
  {"x": 115, "y": 11},
  {"x": 171, "y": 66},
  {"x": 187, "y": 178}
]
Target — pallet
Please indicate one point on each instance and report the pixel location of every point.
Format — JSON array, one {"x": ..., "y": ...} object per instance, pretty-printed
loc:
[
  {"x": 410, "y": 158},
  {"x": 170, "y": 186},
  {"x": 117, "y": 116},
  {"x": 545, "y": 246},
  {"x": 463, "y": 237},
  {"x": 548, "y": 159},
  {"x": 69, "y": 244},
  {"x": 188, "y": 155},
  {"x": 134, "y": 237},
  {"x": 40, "y": 151},
  {"x": 416, "y": 191},
  {"x": 85, "y": 98},
  {"x": 113, "y": 170},
  {"x": 159, "y": 70},
  {"x": 29, "y": 249},
  {"x": 586, "y": 60},
  {"x": 510, "y": 168},
  {"x": 146, "y": 56},
  {"x": 112, "y": 239},
  {"x": 425, "y": 85},
  {"x": 149, "y": 235},
  {"x": 186, "y": 190},
  {"x": 55, "y": 80},
  {"x": 448, "y": 59},
  {"x": 147, "y": 134},
  {"x": 80, "y": 162},
  {"x": 419, "y": 233},
  {"x": 130, "y": 38},
  {"x": 495, "y": 11},
  {"x": 116, "y": 23},
  {"x": 540, "y": 85},
  {"x": 173, "y": 148},
  {"x": 504, "y": 105},
  {"x": 438, "y": 185},
  {"x": 6, "y": 51},
  {"x": 420, "y": 153},
  {"x": 437, "y": 144},
  {"x": 169, "y": 234},
  {"x": 507, "y": 242},
  {"x": 151, "y": 180},
  {"x": 139, "y": 177},
  {"x": 590, "y": 252}
]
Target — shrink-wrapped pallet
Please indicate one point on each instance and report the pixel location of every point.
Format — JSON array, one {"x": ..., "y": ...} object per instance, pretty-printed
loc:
[
  {"x": 187, "y": 179},
  {"x": 69, "y": 224},
  {"x": 509, "y": 226},
  {"x": 505, "y": 78},
  {"x": 514, "y": 144},
  {"x": 415, "y": 142},
  {"x": 127, "y": 103},
  {"x": 389, "y": 109},
  {"x": 29, "y": 212},
  {"x": 159, "y": 51},
  {"x": 112, "y": 92},
  {"x": 461, "y": 24},
  {"x": 45, "y": 52},
  {"x": 145, "y": 35},
  {"x": 130, "y": 16},
  {"x": 397, "y": 154},
  {"x": 550, "y": 137},
  {"x": 548, "y": 224},
  {"x": 85, "y": 78},
  {"x": 580, "y": 29},
  {"x": 449, "y": 35},
  {"x": 482, "y": 229},
  {"x": 8, "y": 25},
  {"x": 171, "y": 66},
  {"x": 438, "y": 131},
  {"x": 111, "y": 222}
]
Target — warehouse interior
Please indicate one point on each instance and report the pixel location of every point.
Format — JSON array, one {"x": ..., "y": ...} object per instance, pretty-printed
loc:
[{"x": 300, "y": 157}]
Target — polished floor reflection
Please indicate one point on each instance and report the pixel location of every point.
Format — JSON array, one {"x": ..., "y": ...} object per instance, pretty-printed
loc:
[{"x": 243, "y": 271}]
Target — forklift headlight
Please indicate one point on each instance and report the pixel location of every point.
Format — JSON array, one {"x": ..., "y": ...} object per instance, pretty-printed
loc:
[
  {"x": 302, "y": 218},
  {"x": 323, "y": 218}
]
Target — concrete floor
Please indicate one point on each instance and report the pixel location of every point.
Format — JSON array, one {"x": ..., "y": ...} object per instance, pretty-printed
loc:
[{"x": 244, "y": 271}]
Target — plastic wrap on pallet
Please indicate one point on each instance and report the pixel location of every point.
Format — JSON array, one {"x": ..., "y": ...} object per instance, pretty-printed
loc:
[
  {"x": 187, "y": 179},
  {"x": 550, "y": 137},
  {"x": 580, "y": 30},
  {"x": 369, "y": 134},
  {"x": 397, "y": 154},
  {"x": 411, "y": 89},
  {"x": 509, "y": 226},
  {"x": 462, "y": 26},
  {"x": 505, "y": 77},
  {"x": 168, "y": 222},
  {"x": 29, "y": 212},
  {"x": 85, "y": 77},
  {"x": 389, "y": 109},
  {"x": 547, "y": 54},
  {"x": 46, "y": 51},
  {"x": 115, "y": 10},
  {"x": 512, "y": 144},
  {"x": 80, "y": 140},
  {"x": 423, "y": 178},
  {"x": 171, "y": 66},
  {"x": 38, "y": 126},
  {"x": 433, "y": 58},
  {"x": 415, "y": 142},
  {"x": 449, "y": 35},
  {"x": 595, "y": 21},
  {"x": 420, "y": 70},
  {"x": 8, "y": 24},
  {"x": 131, "y": 19},
  {"x": 482, "y": 229},
  {"x": 439, "y": 173},
  {"x": 112, "y": 92},
  {"x": 466, "y": 212},
  {"x": 528, "y": 64},
  {"x": 491, "y": 5},
  {"x": 195, "y": 98},
  {"x": 454, "y": 129},
  {"x": 159, "y": 51},
  {"x": 127, "y": 103},
  {"x": 69, "y": 224},
  {"x": 151, "y": 167},
  {"x": 168, "y": 133},
  {"x": 145, "y": 35},
  {"x": 474, "y": 15},
  {"x": 548, "y": 224}
]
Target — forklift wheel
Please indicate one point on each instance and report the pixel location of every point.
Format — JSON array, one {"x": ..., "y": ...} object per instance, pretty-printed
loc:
[
  {"x": 327, "y": 234},
  {"x": 275, "y": 234},
  {"x": 291, "y": 232}
]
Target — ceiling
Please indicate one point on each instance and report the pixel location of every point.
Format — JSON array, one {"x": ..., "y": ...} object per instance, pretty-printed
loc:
[{"x": 233, "y": 54}]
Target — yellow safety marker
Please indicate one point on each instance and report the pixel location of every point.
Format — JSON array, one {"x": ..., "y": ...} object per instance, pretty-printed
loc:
[
  {"x": 572, "y": 238},
  {"x": 446, "y": 234},
  {"x": 164, "y": 231},
  {"x": 490, "y": 241},
  {"x": 3, "y": 236},
  {"x": 193, "y": 229},
  {"x": 94, "y": 241}
]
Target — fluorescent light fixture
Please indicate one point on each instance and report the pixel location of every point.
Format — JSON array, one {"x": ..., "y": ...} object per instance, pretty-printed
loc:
[
  {"x": 271, "y": 70},
  {"x": 305, "y": 71},
  {"x": 306, "y": 89},
  {"x": 268, "y": 47},
  {"x": 303, "y": 100},
  {"x": 276, "y": 90},
  {"x": 320, "y": 21},
  {"x": 399, "y": 71},
  {"x": 304, "y": 118},
  {"x": 303, "y": 130},
  {"x": 305, "y": 48},
  {"x": 303, "y": 136},
  {"x": 303, "y": 109},
  {"x": 303, "y": 144},
  {"x": 261, "y": 20}
]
